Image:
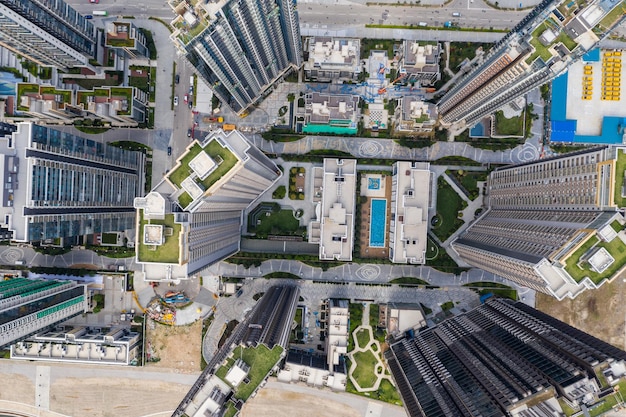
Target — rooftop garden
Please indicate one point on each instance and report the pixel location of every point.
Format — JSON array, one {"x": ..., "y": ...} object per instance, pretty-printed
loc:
[
  {"x": 620, "y": 167},
  {"x": 165, "y": 253},
  {"x": 261, "y": 361},
  {"x": 613, "y": 16},
  {"x": 214, "y": 150},
  {"x": 579, "y": 270},
  {"x": 120, "y": 43},
  {"x": 542, "y": 50},
  {"x": 27, "y": 88},
  {"x": 66, "y": 94}
]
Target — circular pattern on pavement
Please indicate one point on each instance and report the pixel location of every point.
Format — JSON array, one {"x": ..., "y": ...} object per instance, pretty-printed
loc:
[
  {"x": 368, "y": 272},
  {"x": 527, "y": 153},
  {"x": 10, "y": 255},
  {"x": 370, "y": 148}
]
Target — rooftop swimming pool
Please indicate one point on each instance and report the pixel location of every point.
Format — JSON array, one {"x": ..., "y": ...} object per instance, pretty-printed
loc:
[{"x": 378, "y": 223}]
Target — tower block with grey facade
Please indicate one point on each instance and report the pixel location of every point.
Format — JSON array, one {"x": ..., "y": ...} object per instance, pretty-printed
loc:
[
  {"x": 532, "y": 54},
  {"x": 58, "y": 186},
  {"x": 193, "y": 218},
  {"x": 503, "y": 359},
  {"x": 240, "y": 48},
  {"x": 48, "y": 32},
  {"x": 553, "y": 225},
  {"x": 28, "y": 306}
]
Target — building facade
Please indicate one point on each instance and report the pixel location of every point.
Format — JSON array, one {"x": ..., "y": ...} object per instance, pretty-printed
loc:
[
  {"x": 29, "y": 306},
  {"x": 329, "y": 59},
  {"x": 48, "y": 32},
  {"x": 193, "y": 218},
  {"x": 58, "y": 186},
  {"x": 500, "y": 359},
  {"x": 79, "y": 344},
  {"x": 543, "y": 219},
  {"x": 521, "y": 61},
  {"x": 241, "y": 49}
]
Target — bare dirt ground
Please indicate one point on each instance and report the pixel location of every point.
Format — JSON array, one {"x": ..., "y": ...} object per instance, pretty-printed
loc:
[
  {"x": 277, "y": 403},
  {"x": 101, "y": 397},
  {"x": 600, "y": 312},
  {"x": 178, "y": 347}
]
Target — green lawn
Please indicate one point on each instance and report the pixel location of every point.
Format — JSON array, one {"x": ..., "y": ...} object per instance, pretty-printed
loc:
[
  {"x": 365, "y": 367},
  {"x": 616, "y": 226},
  {"x": 469, "y": 181},
  {"x": 408, "y": 280},
  {"x": 497, "y": 289},
  {"x": 356, "y": 319},
  {"x": 277, "y": 223},
  {"x": 109, "y": 238},
  {"x": 230, "y": 410},
  {"x": 620, "y": 167},
  {"x": 540, "y": 49},
  {"x": 449, "y": 203},
  {"x": 447, "y": 305},
  {"x": 509, "y": 127},
  {"x": 184, "y": 199},
  {"x": 168, "y": 251},
  {"x": 363, "y": 337},
  {"x": 616, "y": 248},
  {"x": 261, "y": 361},
  {"x": 374, "y": 310},
  {"x": 213, "y": 149}
]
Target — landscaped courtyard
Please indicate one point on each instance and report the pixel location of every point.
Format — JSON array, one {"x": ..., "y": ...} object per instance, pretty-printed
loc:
[{"x": 449, "y": 204}]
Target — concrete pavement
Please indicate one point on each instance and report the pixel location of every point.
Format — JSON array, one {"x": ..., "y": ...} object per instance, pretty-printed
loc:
[{"x": 236, "y": 308}]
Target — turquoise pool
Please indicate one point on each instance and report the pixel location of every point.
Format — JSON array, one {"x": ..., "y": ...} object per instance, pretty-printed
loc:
[{"x": 378, "y": 223}]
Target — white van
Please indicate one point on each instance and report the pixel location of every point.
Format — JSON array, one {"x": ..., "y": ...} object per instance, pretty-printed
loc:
[
  {"x": 456, "y": 14},
  {"x": 422, "y": 24}
]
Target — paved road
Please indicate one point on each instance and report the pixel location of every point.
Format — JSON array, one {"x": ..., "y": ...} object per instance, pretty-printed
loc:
[{"x": 235, "y": 308}]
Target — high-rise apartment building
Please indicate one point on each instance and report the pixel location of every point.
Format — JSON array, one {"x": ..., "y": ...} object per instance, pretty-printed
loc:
[
  {"x": 193, "y": 218},
  {"x": 501, "y": 359},
  {"x": 240, "y": 48},
  {"x": 530, "y": 55},
  {"x": 552, "y": 224},
  {"x": 60, "y": 186},
  {"x": 28, "y": 306},
  {"x": 48, "y": 32}
]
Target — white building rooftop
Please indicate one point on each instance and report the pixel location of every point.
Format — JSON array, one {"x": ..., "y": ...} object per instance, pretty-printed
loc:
[
  {"x": 337, "y": 209},
  {"x": 411, "y": 198}
]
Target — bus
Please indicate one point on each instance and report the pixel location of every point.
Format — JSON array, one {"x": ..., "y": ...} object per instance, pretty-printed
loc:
[{"x": 99, "y": 13}]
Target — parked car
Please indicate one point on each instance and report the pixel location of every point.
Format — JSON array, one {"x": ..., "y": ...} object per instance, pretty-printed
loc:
[
  {"x": 88, "y": 16},
  {"x": 190, "y": 104},
  {"x": 186, "y": 98},
  {"x": 188, "y": 133},
  {"x": 176, "y": 100},
  {"x": 177, "y": 78},
  {"x": 169, "y": 151},
  {"x": 94, "y": 1}
]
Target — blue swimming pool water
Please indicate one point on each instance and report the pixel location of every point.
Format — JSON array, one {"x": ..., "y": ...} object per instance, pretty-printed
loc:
[
  {"x": 378, "y": 221},
  {"x": 373, "y": 183}
]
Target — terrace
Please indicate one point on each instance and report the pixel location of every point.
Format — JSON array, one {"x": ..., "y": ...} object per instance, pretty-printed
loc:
[
  {"x": 542, "y": 51},
  {"x": 223, "y": 157},
  {"x": 581, "y": 269},
  {"x": 620, "y": 168},
  {"x": 168, "y": 251},
  {"x": 261, "y": 361}
]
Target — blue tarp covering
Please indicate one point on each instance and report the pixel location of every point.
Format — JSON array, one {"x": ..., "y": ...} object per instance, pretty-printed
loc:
[
  {"x": 592, "y": 56},
  {"x": 559, "y": 98},
  {"x": 563, "y": 130}
]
